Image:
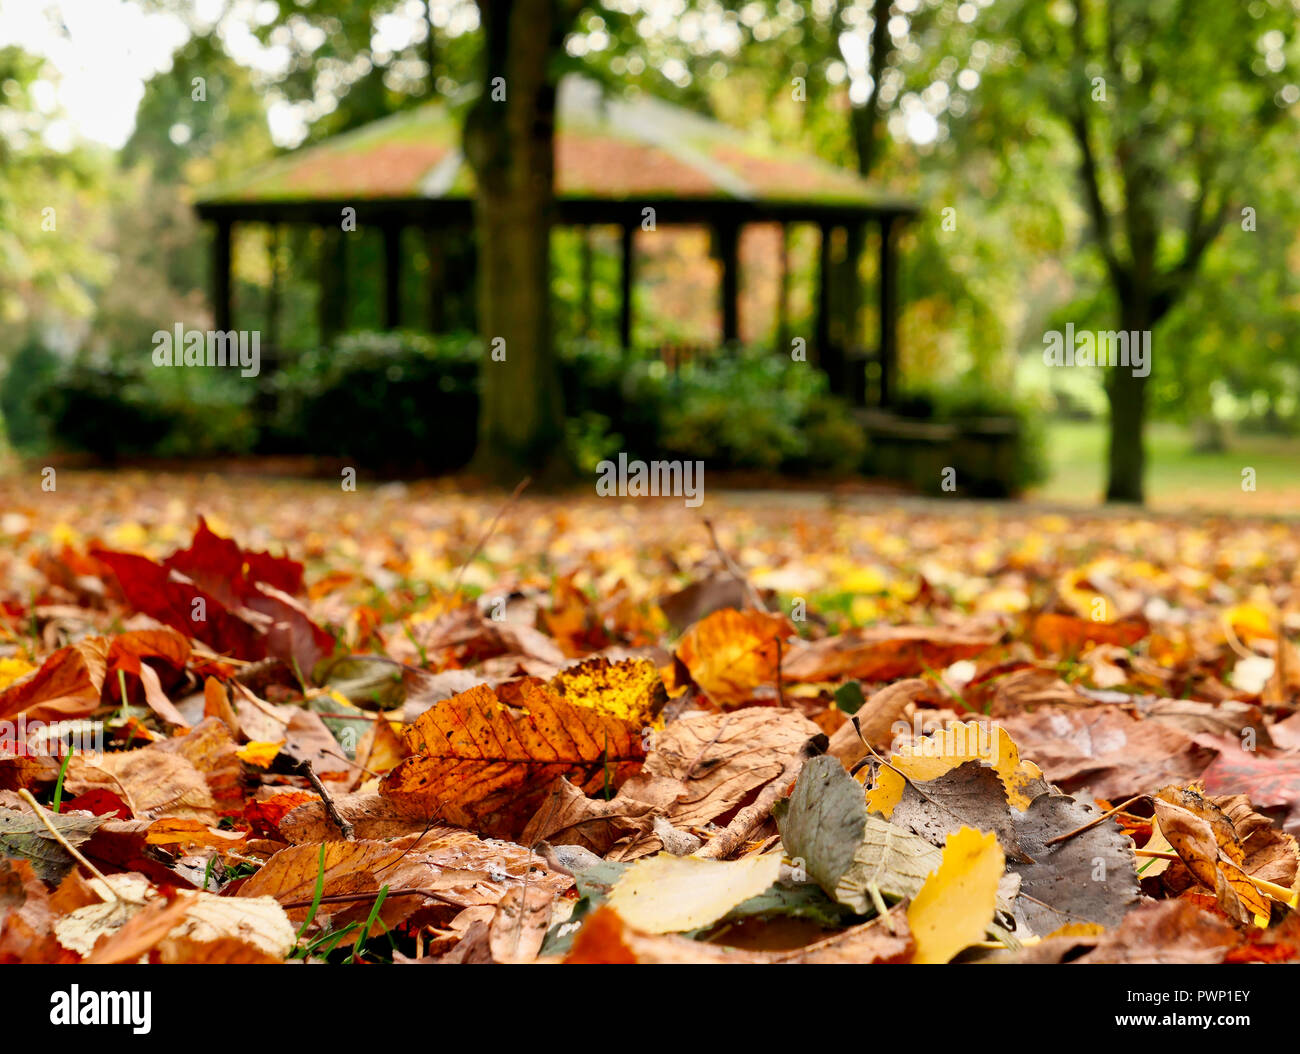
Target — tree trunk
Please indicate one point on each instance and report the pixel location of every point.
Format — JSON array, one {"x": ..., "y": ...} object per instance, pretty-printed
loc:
[
  {"x": 1126, "y": 458},
  {"x": 510, "y": 143}
]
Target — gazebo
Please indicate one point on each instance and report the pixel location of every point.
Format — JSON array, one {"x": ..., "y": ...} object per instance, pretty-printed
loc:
[{"x": 616, "y": 158}]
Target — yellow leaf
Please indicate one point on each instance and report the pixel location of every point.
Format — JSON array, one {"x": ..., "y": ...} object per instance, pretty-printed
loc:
[
  {"x": 381, "y": 748},
  {"x": 1250, "y": 622},
  {"x": 956, "y": 904},
  {"x": 13, "y": 670},
  {"x": 259, "y": 752},
  {"x": 930, "y": 757},
  {"x": 631, "y": 690},
  {"x": 671, "y": 894},
  {"x": 1078, "y": 929}
]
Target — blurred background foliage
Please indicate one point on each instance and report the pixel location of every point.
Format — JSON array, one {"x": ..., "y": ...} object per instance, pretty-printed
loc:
[{"x": 957, "y": 103}]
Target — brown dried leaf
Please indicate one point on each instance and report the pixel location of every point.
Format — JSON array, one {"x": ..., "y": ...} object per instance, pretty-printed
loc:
[
  {"x": 882, "y": 653},
  {"x": 701, "y": 768}
]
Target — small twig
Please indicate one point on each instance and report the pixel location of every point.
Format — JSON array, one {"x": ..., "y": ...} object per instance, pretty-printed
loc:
[
  {"x": 745, "y": 822},
  {"x": 514, "y": 495},
  {"x": 71, "y": 849},
  {"x": 1279, "y": 893},
  {"x": 734, "y": 569},
  {"x": 1015, "y": 854},
  {"x": 428, "y": 826},
  {"x": 348, "y": 761},
  {"x": 871, "y": 751},
  {"x": 1093, "y": 823},
  {"x": 304, "y": 769},
  {"x": 344, "y": 898}
]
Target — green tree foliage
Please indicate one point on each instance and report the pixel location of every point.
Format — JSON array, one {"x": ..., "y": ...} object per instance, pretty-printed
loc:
[
  {"x": 1174, "y": 112},
  {"x": 48, "y": 262}
]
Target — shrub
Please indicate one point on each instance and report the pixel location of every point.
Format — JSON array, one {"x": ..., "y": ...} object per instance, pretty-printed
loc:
[
  {"x": 388, "y": 400},
  {"x": 132, "y": 410},
  {"x": 968, "y": 404},
  {"x": 33, "y": 369},
  {"x": 409, "y": 402}
]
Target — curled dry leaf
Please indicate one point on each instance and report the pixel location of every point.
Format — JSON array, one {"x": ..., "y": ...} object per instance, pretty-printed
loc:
[
  {"x": 1267, "y": 853},
  {"x": 731, "y": 653},
  {"x": 67, "y": 684},
  {"x": 876, "y": 719},
  {"x": 1069, "y": 634},
  {"x": 129, "y": 653},
  {"x": 1206, "y": 842},
  {"x": 380, "y": 751},
  {"x": 153, "y": 782},
  {"x": 452, "y": 867},
  {"x": 882, "y": 653}
]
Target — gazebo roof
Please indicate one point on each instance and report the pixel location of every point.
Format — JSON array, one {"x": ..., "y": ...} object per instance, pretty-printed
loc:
[{"x": 609, "y": 151}]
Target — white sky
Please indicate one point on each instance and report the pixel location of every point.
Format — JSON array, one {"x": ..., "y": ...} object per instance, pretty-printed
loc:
[{"x": 101, "y": 52}]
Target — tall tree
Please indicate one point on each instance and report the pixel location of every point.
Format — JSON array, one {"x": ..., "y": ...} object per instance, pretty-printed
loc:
[
  {"x": 510, "y": 142},
  {"x": 1171, "y": 107}
]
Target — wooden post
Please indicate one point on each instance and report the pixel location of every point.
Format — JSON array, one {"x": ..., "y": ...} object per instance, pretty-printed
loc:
[
  {"x": 888, "y": 311},
  {"x": 822, "y": 334},
  {"x": 586, "y": 323},
  {"x": 392, "y": 317},
  {"x": 332, "y": 306},
  {"x": 828, "y": 355},
  {"x": 436, "y": 251},
  {"x": 728, "y": 239},
  {"x": 222, "y": 263},
  {"x": 783, "y": 293},
  {"x": 273, "y": 292},
  {"x": 625, "y": 306}
]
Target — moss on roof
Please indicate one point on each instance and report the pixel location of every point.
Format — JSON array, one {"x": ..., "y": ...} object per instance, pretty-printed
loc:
[{"x": 607, "y": 148}]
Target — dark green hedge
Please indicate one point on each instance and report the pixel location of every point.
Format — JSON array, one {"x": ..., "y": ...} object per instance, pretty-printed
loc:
[{"x": 409, "y": 402}]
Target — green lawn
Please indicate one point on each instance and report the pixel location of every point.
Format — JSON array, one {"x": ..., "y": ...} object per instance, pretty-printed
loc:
[{"x": 1177, "y": 477}]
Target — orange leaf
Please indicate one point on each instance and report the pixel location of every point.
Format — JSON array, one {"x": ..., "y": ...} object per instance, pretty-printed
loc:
[
  {"x": 883, "y": 653},
  {"x": 730, "y": 653},
  {"x": 486, "y": 764},
  {"x": 1067, "y": 634},
  {"x": 600, "y": 940},
  {"x": 68, "y": 684}
]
